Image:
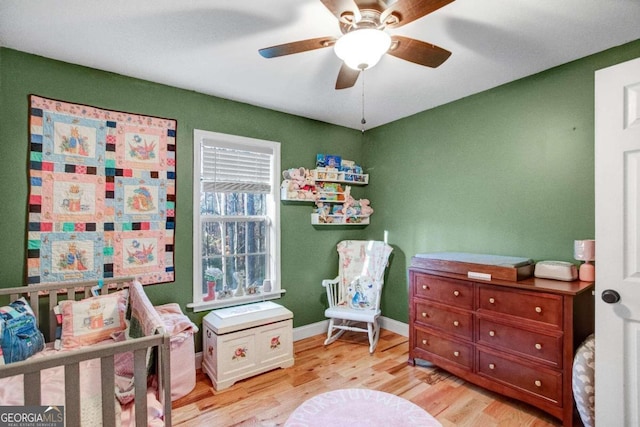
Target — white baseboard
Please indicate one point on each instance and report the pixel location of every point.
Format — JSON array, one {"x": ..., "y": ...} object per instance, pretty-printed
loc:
[
  {"x": 310, "y": 330},
  {"x": 395, "y": 326},
  {"x": 199, "y": 360},
  {"x": 318, "y": 328}
]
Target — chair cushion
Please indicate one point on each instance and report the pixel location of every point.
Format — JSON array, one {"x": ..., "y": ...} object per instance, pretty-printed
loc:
[
  {"x": 362, "y": 294},
  {"x": 344, "y": 312}
]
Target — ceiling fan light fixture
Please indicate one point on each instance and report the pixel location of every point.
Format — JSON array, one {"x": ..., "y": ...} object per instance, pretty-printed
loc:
[{"x": 362, "y": 49}]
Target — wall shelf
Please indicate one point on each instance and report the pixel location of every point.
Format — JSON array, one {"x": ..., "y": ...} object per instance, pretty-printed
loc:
[
  {"x": 333, "y": 175},
  {"x": 330, "y": 190},
  {"x": 317, "y": 219}
]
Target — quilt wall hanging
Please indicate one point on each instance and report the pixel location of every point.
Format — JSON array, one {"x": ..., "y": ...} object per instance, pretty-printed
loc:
[{"x": 102, "y": 194}]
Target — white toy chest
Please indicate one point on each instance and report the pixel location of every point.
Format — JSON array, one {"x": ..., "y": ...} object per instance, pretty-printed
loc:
[{"x": 243, "y": 341}]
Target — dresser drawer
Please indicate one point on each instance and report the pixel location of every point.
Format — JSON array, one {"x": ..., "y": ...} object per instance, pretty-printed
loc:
[
  {"x": 447, "y": 291},
  {"x": 546, "y": 348},
  {"x": 454, "y": 351},
  {"x": 450, "y": 320},
  {"x": 541, "y": 307},
  {"x": 534, "y": 380}
]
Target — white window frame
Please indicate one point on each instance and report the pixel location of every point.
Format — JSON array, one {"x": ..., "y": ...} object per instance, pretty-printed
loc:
[{"x": 273, "y": 211}]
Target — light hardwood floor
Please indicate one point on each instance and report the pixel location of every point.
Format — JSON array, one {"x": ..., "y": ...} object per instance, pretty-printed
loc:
[{"x": 267, "y": 400}]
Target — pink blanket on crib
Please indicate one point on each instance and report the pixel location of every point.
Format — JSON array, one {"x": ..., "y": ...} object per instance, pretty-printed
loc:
[{"x": 52, "y": 392}]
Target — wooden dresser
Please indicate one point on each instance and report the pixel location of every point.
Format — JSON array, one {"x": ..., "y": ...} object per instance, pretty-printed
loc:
[{"x": 516, "y": 338}]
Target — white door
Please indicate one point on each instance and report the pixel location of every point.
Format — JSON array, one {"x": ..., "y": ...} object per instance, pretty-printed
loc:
[{"x": 617, "y": 185}]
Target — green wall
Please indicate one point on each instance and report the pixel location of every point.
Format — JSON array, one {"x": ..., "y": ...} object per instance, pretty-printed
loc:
[{"x": 508, "y": 171}]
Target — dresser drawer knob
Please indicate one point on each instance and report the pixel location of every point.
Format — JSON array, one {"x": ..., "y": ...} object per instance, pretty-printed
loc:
[
  {"x": 424, "y": 342},
  {"x": 456, "y": 353},
  {"x": 538, "y": 383},
  {"x": 424, "y": 314},
  {"x": 538, "y": 346},
  {"x": 456, "y": 293},
  {"x": 425, "y": 287},
  {"x": 538, "y": 309},
  {"x": 492, "y": 366},
  {"x": 492, "y": 333},
  {"x": 456, "y": 323},
  {"x": 492, "y": 300}
]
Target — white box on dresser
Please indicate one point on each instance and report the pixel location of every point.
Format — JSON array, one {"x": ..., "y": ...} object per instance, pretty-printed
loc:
[{"x": 246, "y": 340}]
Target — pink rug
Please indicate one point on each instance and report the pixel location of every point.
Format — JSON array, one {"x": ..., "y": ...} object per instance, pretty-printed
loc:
[{"x": 355, "y": 407}]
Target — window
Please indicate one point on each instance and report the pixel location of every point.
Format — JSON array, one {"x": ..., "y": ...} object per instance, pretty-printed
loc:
[{"x": 236, "y": 220}]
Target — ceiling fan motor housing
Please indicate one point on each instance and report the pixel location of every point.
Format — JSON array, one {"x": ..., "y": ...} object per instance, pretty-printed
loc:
[{"x": 369, "y": 18}]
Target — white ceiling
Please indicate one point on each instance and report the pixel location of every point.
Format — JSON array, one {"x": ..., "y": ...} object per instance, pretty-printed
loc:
[{"x": 211, "y": 46}]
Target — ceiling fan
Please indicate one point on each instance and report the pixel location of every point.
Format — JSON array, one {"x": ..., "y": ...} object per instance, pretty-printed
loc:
[{"x": 365, "y": 19}]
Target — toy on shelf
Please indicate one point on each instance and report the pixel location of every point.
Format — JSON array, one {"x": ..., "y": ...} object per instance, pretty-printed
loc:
[
  {"x": 334, "y": 175},
  {"x": 365, "y": 209},
  {"x": 329, "y": 161},
  {"x": 331, "y": 192},
  {"x": 295, "y": 177},
  {"x": 298, "y": 184},
  {"x": 324, "y": 213},
  {"x": 350, "y": 211}
]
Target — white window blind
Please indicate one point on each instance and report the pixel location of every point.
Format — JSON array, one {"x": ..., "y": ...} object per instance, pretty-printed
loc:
[{"x": 235, "y": 170}]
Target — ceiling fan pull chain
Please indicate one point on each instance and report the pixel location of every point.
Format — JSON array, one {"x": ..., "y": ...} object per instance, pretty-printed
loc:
[{"x": 363, "y": 121}]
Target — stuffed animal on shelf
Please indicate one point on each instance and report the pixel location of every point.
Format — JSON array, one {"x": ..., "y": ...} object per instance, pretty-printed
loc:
[
  {"x": 348, "y": 208},
  {"x": 296, "y": 176},
  {"x": 287, "y": 184},
  {"x": 322, "y": 209},
  {"x": 365, "y": 209},
  {"x": 309, "y": 183},
  {"x": 300, "y": 184},
  {"x": 290, "y": 191}
]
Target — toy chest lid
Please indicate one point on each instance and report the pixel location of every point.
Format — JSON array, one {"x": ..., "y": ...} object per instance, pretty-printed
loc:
[
  {"x": 476, "y": 265},
  {"x": 231, "y": 319}
]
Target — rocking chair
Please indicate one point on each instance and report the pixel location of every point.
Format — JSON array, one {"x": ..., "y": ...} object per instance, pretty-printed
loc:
[{"x": 354, "y": 296}]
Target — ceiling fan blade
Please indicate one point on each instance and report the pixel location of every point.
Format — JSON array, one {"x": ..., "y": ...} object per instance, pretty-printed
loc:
[
  {"x": 297, "y": 47},
  {"x": 418, "y": 52},
  {"x": 404, "y": 11},
  {"x": 344, "y": 10},
  {"x": 347, "y": 77}
]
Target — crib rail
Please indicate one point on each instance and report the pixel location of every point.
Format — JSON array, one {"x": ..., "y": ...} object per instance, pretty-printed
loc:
[{"x": 71, "y": 362}]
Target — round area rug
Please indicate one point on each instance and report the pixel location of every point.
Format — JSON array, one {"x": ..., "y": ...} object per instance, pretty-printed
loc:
[{"x": 356, "y": 407}]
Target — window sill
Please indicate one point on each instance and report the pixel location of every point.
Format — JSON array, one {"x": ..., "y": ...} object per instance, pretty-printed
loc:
[{"x": 210, "y": 305}]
